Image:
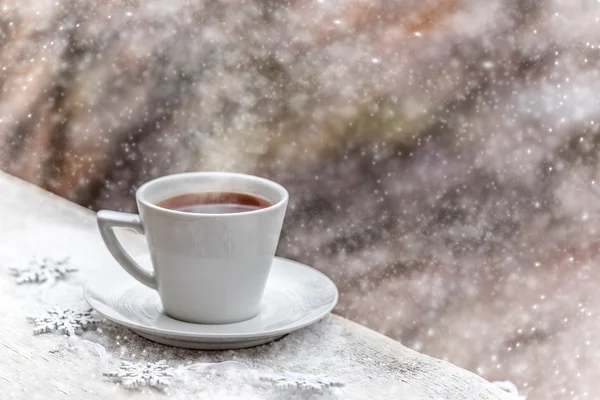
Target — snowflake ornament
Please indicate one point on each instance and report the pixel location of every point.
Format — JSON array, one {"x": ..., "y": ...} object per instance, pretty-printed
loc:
[
  {"x": 63, "y": 320},
  {"x": 134, "y": 375},
  {"x": 292, "y": 380},
  {"x": 46, "y": 271}
]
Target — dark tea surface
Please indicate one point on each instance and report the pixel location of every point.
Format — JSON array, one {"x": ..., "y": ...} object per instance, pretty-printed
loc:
[{"x": 214, "y": 203}]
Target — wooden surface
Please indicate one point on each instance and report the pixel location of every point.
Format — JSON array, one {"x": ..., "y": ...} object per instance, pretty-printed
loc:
[{"x": 36, "y": 223}]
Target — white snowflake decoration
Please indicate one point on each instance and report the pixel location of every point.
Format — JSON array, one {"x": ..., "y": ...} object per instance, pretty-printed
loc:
[
  {"x": 63, "y": 320},
  {"x": 293, "y": 380},
  {"x": 46, "y": 271},
  {"x": 134, "y": 375}
]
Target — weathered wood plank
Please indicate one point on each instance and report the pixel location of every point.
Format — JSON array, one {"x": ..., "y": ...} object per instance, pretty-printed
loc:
[{"x": 33, "y": 221}]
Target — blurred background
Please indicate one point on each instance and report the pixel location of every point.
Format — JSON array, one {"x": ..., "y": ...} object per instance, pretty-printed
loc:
[{"x": 442, "y": 155}]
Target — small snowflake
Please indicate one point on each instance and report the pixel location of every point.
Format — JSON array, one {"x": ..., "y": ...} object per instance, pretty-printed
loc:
[
  {"x": 292, "y": 380},
  {"x": 63, "y": 320},
  {"x": 46, "y": 271},
  {"x": 133, "y": 375}
]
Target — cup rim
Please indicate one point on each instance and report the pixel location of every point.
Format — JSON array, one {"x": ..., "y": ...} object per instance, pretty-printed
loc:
[{"x": 139, "y": 193}]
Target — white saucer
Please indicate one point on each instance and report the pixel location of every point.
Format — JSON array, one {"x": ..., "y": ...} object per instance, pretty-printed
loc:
[{"x": 296, "y": 296}]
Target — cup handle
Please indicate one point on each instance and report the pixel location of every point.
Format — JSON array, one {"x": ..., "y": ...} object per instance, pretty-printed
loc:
[{"x": 107, "y": 220}]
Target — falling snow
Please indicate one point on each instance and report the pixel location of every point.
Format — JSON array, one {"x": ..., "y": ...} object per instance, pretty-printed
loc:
[{"x": 442, "y": 156}]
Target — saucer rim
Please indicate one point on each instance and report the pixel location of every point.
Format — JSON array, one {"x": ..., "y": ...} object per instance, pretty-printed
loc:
[
  {"x": 209, "y": 345},
  {"x": 124, "y": 321}
]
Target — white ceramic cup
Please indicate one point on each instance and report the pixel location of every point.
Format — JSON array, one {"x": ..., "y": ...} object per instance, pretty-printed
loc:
[{"x": 208, "y": 268}]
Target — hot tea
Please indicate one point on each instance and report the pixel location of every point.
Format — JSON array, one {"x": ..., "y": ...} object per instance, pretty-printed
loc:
[{"x": 215, "y": 203}]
